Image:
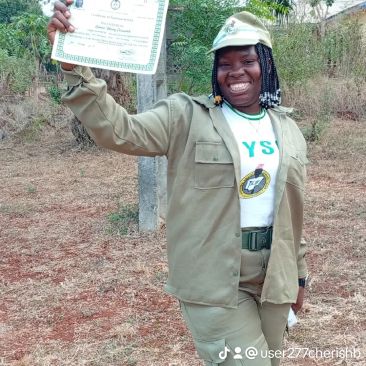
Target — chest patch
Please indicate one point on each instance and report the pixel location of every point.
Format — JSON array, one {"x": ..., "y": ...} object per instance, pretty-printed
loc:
[{"x": 255, "y": 183}]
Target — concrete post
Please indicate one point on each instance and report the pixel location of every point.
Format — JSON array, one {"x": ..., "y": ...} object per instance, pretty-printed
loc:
[{"x": 152, "y": 171}]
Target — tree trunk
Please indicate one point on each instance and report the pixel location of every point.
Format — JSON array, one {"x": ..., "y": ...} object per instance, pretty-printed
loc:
[
  {"x": 81, "y": 135},
  {"x": 121, "y": 88}
]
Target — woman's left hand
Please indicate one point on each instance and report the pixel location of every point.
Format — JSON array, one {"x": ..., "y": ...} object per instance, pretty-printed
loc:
[{"x": 300, "y": 300}]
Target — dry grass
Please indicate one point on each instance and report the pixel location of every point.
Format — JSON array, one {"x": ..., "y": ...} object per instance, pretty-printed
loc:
[
  {"x": 325, "y": 96},
  {"x": 335, "y": 316},
  {"x": 25, "y": 116},
  {"x": 73, "y": 294}
]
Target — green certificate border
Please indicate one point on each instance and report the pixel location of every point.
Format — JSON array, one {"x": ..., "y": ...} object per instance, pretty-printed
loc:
[{"x": 148, "y": 68}]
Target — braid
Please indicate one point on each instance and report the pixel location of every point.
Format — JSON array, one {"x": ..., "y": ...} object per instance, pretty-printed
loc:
[
  {"x": 270, "y": 95},
  {"x": 218, "y": 99}
]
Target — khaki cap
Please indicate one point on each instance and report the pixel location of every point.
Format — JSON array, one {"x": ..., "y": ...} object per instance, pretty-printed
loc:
[{"x": 241, "y": 29}]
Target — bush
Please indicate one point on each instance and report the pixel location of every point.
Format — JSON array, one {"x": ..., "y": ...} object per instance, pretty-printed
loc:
[
  {"x": 322, "y": 77},
  {"x": 192, "y": 33},
  {"x": 344, "y": 50},
  {"x": 12, "y": 8},
  {"x": 16, "y": 74},
  {"x": 55, "y": 93},
  {"x": 298, "y": 54}
]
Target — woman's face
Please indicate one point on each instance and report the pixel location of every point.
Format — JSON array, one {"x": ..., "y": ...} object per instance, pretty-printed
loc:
[{"x": 239, "y": 77}]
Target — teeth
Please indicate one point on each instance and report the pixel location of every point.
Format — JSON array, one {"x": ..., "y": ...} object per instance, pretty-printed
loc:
[{"x": 242, "y": 87}]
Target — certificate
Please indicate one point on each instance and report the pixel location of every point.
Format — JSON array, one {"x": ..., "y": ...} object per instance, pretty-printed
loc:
[{"x": 121, "y": 35}]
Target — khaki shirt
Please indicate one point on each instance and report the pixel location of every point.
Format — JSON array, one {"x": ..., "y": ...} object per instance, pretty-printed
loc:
[{"x": 203, "y": 223}]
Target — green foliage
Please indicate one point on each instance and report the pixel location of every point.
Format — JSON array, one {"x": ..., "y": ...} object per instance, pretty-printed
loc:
[
  {"x": 298, "y": 54},
  {"x": 268, "y": 9},
  {"x": 10, "y": 40},
  {"x": 31, "y": 31},
  {"x": 12, "y": 8},
  {"x": 16, "y": 73},
  {"x": 55, "y": 93},
  {"x": 328, "y": 81},
  {"x": 344, "y": 50},
  {"x": 194, "y": 24},
  {"x": 123, "y": 221},
  {"x": 23, "y": 47}
]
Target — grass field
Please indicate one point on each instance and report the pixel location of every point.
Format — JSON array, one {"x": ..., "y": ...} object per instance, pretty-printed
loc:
[{"x": 74, "y": 291}]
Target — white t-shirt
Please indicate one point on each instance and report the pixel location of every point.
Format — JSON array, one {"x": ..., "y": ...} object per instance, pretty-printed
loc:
[{"x": 259, "y": 159}]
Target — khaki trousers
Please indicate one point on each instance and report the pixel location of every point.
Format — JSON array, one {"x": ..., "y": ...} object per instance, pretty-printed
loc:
[{"x": 245, "y": 336}]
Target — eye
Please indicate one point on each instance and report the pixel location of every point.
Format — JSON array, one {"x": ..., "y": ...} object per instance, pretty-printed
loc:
[
  {"x": 249, "y": 62},
  {"x": 223, "y": 64}
]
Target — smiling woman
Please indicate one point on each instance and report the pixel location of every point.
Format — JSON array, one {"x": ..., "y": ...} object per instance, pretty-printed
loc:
[
  {"x": 239, "y": 77},
  {"x": 254, "y": 60},
  {"x": 234, "y": 220}
]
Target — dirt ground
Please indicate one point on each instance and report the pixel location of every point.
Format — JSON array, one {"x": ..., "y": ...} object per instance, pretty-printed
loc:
[{"x": 74, "y": 292}]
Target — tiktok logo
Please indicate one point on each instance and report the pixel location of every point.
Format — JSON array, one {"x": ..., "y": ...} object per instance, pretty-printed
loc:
[{"x": 223, "y": 354}]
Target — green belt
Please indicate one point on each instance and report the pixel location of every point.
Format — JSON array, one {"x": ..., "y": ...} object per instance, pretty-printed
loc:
[{"x": 257, "y": 239}]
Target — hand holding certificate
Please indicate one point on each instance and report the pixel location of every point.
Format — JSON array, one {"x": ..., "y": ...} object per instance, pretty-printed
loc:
[{"x": 122, "y": 35}]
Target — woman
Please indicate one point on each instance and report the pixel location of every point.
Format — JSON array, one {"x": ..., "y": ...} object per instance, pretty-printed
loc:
[{"x": 236, "y": 170}]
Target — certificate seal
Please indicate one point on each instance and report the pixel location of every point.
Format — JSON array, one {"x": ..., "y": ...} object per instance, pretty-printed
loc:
[{"x": 115, "y": 4}]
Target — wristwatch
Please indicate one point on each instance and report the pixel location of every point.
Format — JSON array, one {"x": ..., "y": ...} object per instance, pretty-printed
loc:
[{"x": 302, "y": 282}]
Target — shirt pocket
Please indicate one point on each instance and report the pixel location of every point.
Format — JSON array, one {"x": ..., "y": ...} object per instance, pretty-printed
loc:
[
  {"x": 297, "y": 168},
  {"x": 214, "y": 166}
]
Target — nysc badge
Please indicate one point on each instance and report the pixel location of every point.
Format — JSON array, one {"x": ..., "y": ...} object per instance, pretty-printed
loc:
[{"x": 255, "y": 183}]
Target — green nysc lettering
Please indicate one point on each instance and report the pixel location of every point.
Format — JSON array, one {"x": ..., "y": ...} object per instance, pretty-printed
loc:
[
  {"x": 250, "y": 148},
  {"x": 266, "y": 145},
  {"x": 268, "y": 149}
]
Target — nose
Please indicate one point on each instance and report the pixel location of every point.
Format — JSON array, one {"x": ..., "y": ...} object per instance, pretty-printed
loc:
[{"x": 237, "y": 70}]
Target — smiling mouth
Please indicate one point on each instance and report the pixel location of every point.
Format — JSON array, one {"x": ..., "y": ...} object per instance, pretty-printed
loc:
[{"x": 239, "y": 87}]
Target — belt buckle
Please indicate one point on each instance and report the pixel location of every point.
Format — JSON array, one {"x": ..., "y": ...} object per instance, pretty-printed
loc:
[
  {"x": 262, "y": 239},
  {"x": 252, "y": 245}
]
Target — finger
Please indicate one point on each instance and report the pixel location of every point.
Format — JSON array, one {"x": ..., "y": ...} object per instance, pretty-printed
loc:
[
  {"x": 62, "y": 5},
  {"x": 56, "y": 24},
  {"x": 59, "y": 22},
  {"x": 58, "y": 18},
  {"x": 61, "y": 10}
]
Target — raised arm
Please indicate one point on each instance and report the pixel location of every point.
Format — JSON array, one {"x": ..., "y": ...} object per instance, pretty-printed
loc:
[{"x": 108, "y": 123}]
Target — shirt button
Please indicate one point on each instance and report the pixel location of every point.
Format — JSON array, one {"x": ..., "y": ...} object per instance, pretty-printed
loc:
[
  {"x": 237, "y": 235},
  {"x": 215, "y": 159},
  {"x": 235, "y": 273}
]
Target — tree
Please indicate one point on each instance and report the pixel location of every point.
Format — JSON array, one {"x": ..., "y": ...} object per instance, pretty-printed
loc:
[
  {"x": 12, "y": 8},
  {"x": 23, "y": 42},
  {"x": 30, "y": 29},
  {"x": 122, "y": 88},
  {"x": 272, "y": 10},
  {"x": 320, "y": 12},
  {"x": 193, "y": 25}
]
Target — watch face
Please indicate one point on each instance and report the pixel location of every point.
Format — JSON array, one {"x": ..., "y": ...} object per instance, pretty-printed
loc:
[{"x": 302, "y": 282}]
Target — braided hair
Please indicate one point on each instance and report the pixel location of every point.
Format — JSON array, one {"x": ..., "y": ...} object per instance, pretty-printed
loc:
[{"x": 270, "y": 95}]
